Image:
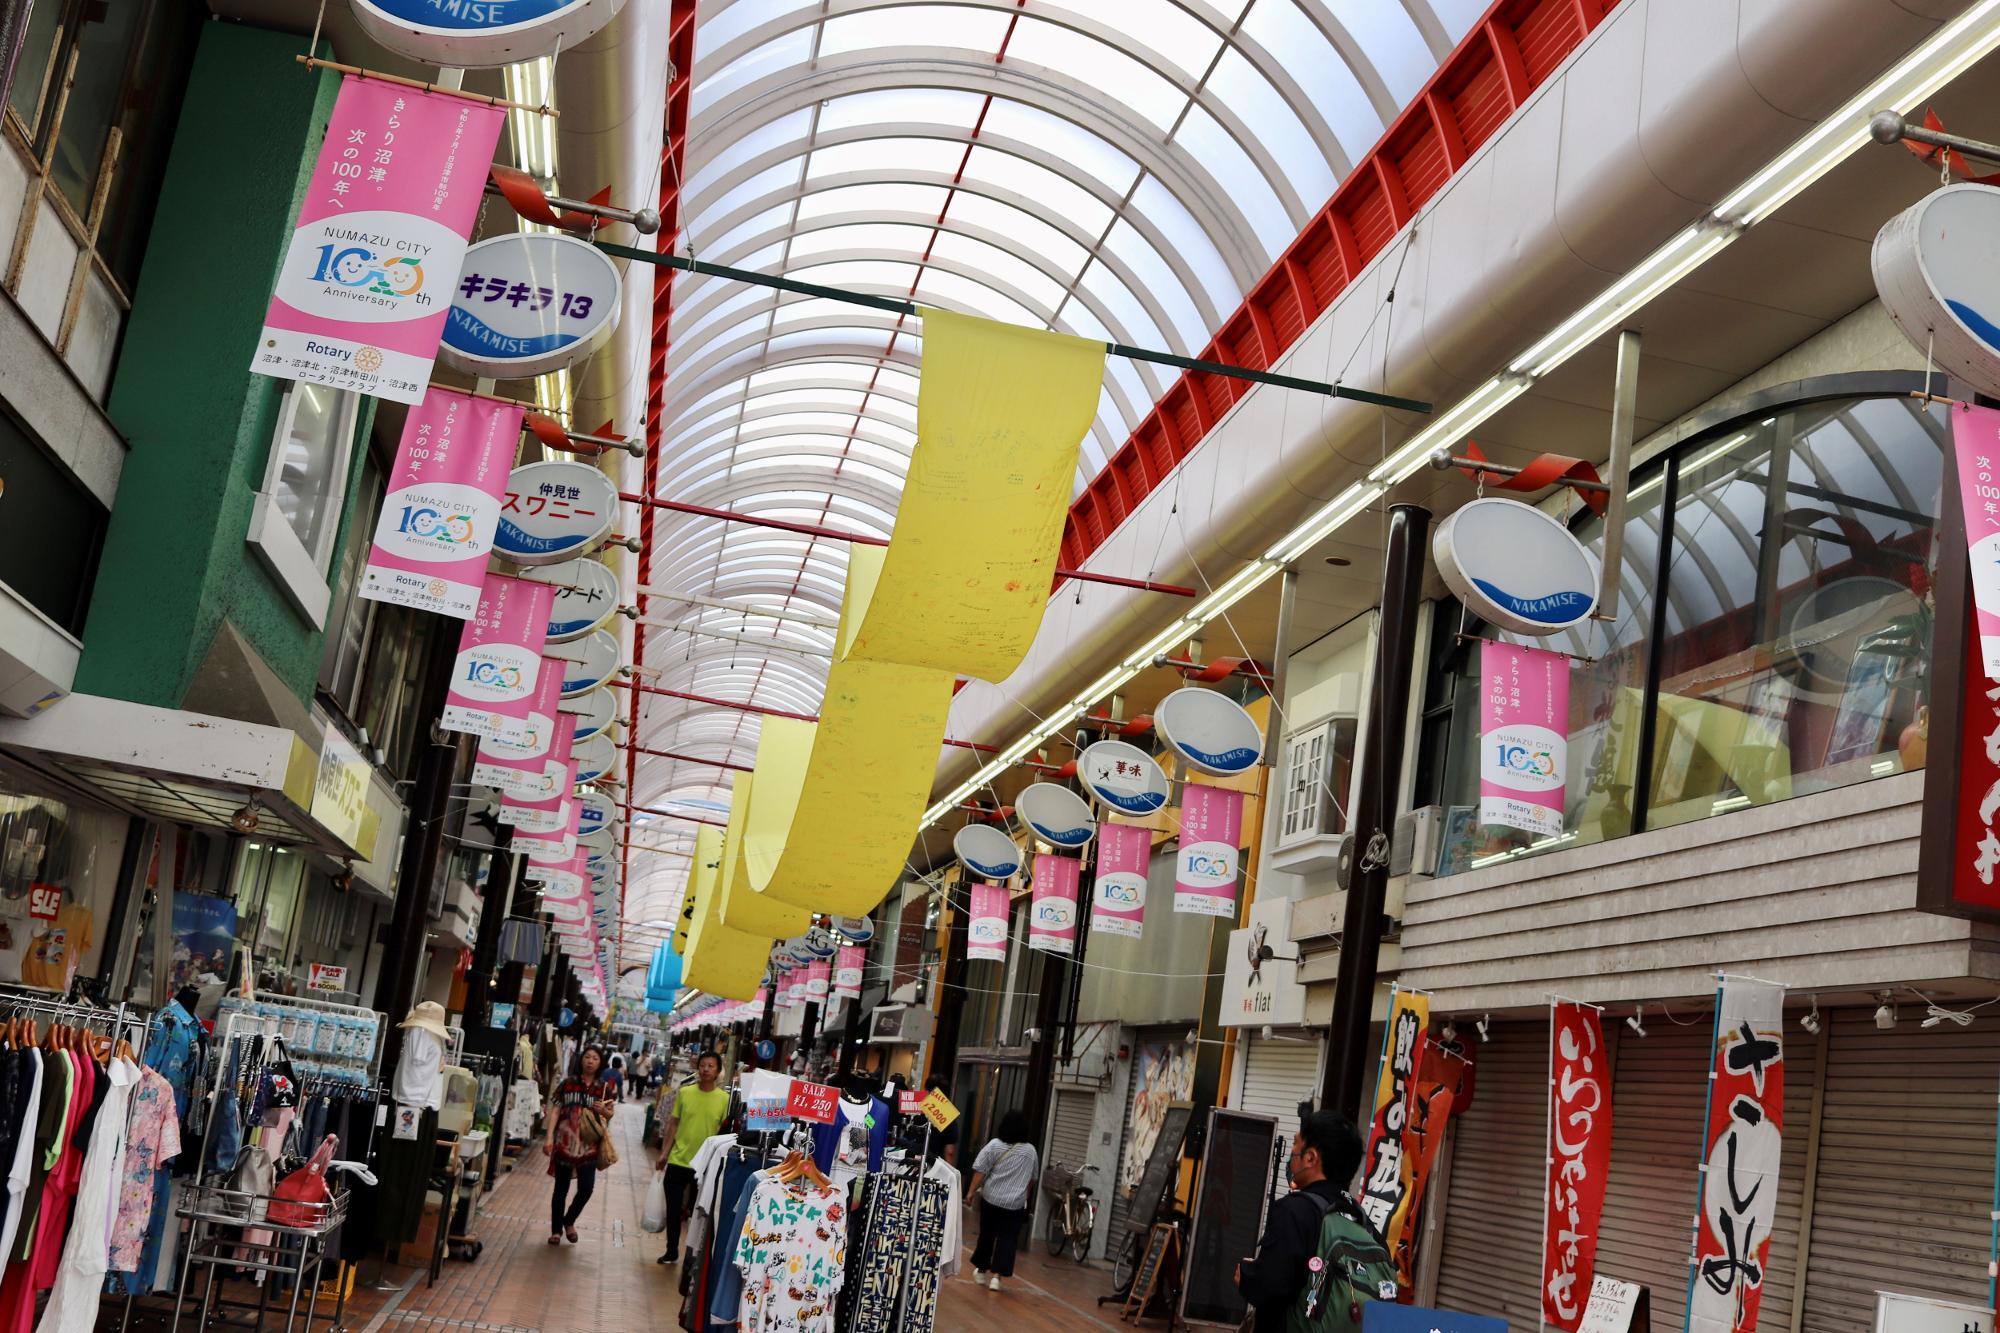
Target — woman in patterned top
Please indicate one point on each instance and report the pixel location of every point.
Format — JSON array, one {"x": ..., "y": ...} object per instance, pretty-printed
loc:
[{"x": 569, "y": 1155}]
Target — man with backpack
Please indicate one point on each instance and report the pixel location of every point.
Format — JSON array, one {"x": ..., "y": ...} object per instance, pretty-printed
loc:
[{"x": 1319, "y": 1260}]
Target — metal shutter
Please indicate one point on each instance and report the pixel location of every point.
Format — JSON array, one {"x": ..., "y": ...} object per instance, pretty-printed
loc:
[
  {"x": 1278, "y": 1074},
  {"x": 1121, "y": 1202},
  {"x": 1905, "y": 1179},
  {"x": 1069, "y": 1128},
  {"x": 1490, "y": 1257}
]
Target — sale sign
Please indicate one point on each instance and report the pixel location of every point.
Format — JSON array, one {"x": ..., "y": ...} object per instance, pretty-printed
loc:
[
  {"x": 381, "y": 236},
  {"x": 1211, "y": 834},
  {"x": 1745, "y": 1140},
  {"x": 986, "y": 929},
  {"x": 44, "y": 901},
  {"x": 435, "y": 532},
  {"x": 1523, "y": 737},
  {"x": 847, "y": 970},
  {"x": 499, "y": 660},
  {"x": 816, "y": 1102},
  {"x": 326, "y": 977},
  {"x": 1053, "y": 906},
  {"x": 1118, "y": 898},
  {"x": 1579, "y": 1160}
]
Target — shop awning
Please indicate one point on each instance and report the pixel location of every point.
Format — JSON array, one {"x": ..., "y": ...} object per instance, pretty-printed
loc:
[{"x": 193, "y": 769}]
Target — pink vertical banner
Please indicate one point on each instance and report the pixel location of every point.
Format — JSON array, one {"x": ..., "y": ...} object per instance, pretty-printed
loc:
[
  {"x": 518, "y": 771},
  {"x": 847, "y": 970},
  {"x": 819, "y": 977},
  {"x": 389, "y": 209},
  {"x": 499, "y": 660},
  {"x": 1052, "y": 908},
  {"x": 435, "y": 532},
  {"x": 559, "y": 840},
  {"x": 551, "y": 786},
  {"x": 1975, "y": 437},
  {"x": 1210, "y": 855},
  {"x": 1118, "y": 899},
  {"x": 1523, "y": 737},
  {"x": 986, "y": 928}
]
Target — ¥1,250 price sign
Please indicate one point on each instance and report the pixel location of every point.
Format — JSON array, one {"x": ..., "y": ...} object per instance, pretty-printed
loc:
[{"x": 812, "y": 1101}]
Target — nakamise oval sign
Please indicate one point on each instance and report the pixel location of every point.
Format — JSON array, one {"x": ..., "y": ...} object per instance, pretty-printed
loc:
[
  {"x": 528, "y": 303},
  {"x": 553, "y": 512},
  {"x": 481, "y": 34},
  {"x": 1937, "y": 268},
  {"x": 1515, "y": 567}
]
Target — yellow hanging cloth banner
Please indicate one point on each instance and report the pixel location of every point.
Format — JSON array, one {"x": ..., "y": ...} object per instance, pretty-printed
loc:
[
  {"x": 961, "y": 588},
  {"x": 742, "y": 908},
  {"x": 719, "y": 960}
]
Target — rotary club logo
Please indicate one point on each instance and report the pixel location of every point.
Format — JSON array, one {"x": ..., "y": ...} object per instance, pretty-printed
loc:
[
  {"x": 436, "y": 587},
  {"x": 368, "y": 359}
]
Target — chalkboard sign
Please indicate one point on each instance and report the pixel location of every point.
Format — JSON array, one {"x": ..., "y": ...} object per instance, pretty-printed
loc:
[
  {"x": 1162, "y": 1167},
  {"x": 1228, "y": 1215},
  {"x": 1147, "y": 1276}
]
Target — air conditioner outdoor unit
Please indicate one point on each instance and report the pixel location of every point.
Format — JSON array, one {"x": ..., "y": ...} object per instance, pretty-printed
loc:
[{"x": 1418, "y": 842}]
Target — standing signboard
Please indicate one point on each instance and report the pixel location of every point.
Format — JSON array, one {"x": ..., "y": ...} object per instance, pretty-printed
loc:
[
  {"x": 376, "y": 252},
  {"x": 435, "y": 532}
]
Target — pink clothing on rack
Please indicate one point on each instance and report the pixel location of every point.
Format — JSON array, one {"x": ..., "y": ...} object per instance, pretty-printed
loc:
[
  {"x": 53, "y": 1225},
  {"x": 23, "y": 1278}
]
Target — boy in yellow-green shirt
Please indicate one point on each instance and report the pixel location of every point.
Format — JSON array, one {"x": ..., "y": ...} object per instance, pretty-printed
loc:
[{"x": 698, "y": 1111}]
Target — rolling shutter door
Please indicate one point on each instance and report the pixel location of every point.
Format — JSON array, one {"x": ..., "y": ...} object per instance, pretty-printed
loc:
[
  {"x": 1277, "y": 1076},
  {"x": 1905, "y": 1182},
  {"x": 1121, "y": 1202},
  {"x": 1490, "y": 1255},
  {"x": 1069, "y": 1128}
]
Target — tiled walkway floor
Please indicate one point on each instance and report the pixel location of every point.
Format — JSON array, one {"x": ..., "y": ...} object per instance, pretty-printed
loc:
[{"x": 609, "y": 1283}]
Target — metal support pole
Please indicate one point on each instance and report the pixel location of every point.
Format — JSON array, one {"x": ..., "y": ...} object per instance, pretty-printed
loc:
[
  {"x": 1288, "y": 605},
  {"x": 808, "y": 1032},
  {"x": 1380, "y": 765},
  {"x": 423, "y": 844},
  {"x": 1040, "y": 1088},
  {"x": 1624, "y": 424},
  {"x": 1888, "y": 127},
  {"x": 951, "y": 997},
  {"x": 503, "y": 869}
]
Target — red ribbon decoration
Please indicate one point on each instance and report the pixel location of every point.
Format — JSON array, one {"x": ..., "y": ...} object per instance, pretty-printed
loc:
[
  {"x": 1540, "y": 473},
  {"x": 518, "y": 188},
  {"x": 1954, "y": 160}
]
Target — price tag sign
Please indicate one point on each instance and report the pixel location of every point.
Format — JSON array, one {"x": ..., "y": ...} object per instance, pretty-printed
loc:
[
  {"x": 325, "y": 977},
  {"x": 816, "y": 1102},
  {"x": 44, "y": 901},
  {"x": 910, "y": 1103},
  {"x": 937, "y": 1109}
]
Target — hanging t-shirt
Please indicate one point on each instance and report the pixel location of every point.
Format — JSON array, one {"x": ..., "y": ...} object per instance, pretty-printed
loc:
[
  {"x": 793, "y": 1257},
  {"x": 44, "y": 953}
]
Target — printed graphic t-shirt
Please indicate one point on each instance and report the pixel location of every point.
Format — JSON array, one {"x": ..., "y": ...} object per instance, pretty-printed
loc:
[
  {"x": 55, "y": 947},
  {"x": 793, "y": 1257}
]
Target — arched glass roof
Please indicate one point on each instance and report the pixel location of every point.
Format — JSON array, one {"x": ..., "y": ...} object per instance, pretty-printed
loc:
[{"x": 1119, "y": 171}]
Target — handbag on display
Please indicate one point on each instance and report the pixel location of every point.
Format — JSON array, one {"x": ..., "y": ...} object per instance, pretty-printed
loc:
[{"x": 300, "y": 1199}]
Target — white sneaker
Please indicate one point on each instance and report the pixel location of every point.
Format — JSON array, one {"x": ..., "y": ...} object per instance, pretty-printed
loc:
[
  {"x": 979, "y": 1277},
  {"x": 994, "y": 1285}
]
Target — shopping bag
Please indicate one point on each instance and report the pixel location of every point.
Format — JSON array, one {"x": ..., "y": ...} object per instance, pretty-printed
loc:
[
  {"x": 654, "y": 1219},
  {"x": 300, "y": 1199}
]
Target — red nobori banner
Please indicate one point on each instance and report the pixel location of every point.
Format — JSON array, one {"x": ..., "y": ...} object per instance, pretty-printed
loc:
[
  {"x": 499, "y": 660},
  {"x": 388, "y": 212},
  {"x": 435, "y": 532},
  {"x": 1579, "y": 1158},
  {"x": 1386, "y": 1171},
  {"x": 1739, "y": 1186}
]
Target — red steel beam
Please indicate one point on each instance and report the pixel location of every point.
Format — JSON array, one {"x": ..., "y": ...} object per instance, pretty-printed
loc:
[
  {"x": 752, "y": 708},
  {"x": 690, "y": 759},
  {"x": 866, "y": 539}
]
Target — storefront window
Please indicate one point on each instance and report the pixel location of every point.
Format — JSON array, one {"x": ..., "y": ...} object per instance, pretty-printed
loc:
[
  {"x": 59, "y": 878},
  {"x": 1794, "y": 634},
  {"x": 268, "y": 884}
]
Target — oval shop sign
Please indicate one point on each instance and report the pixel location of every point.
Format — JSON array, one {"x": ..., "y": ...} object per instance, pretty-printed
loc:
[
  {"x": 529, "y": 303},
  {"x": 480, "y": 34},
  {"x": 554, "y": 511},
  {"x": 1516, "y": 567}
]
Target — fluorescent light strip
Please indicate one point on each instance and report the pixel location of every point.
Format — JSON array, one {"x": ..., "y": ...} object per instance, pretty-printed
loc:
[{"x": 1948, "y": 53}]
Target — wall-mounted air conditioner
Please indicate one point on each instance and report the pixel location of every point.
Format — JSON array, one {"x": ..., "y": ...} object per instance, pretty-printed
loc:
[{"x": 1418, "y": 842}]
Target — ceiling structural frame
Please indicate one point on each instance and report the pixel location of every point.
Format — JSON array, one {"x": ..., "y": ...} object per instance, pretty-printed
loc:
[{"x": 1071, "y": 167}]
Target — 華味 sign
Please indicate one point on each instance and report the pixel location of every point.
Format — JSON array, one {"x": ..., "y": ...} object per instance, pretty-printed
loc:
[{"x": 375, "y": 254}]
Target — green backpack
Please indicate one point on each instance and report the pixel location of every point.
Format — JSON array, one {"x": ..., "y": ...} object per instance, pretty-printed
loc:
[{"x": 1349, "y": 1268}]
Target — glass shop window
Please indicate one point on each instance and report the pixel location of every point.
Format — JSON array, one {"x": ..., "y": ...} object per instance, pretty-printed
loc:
[{"x": 1793, "y": 617}]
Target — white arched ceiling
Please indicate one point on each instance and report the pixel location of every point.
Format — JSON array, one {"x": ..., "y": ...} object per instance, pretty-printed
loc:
[{"x": 1118, "y": 171}]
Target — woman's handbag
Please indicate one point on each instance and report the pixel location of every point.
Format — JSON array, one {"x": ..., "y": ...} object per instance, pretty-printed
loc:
[
  {"x": 300, "y": 1199},
  {"x": 607, "y": 1151},
  {"x": 590, "y": 1128}
]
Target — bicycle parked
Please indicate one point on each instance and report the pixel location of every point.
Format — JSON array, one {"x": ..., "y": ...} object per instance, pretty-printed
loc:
[{"x": 1072, "y": 1211}]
